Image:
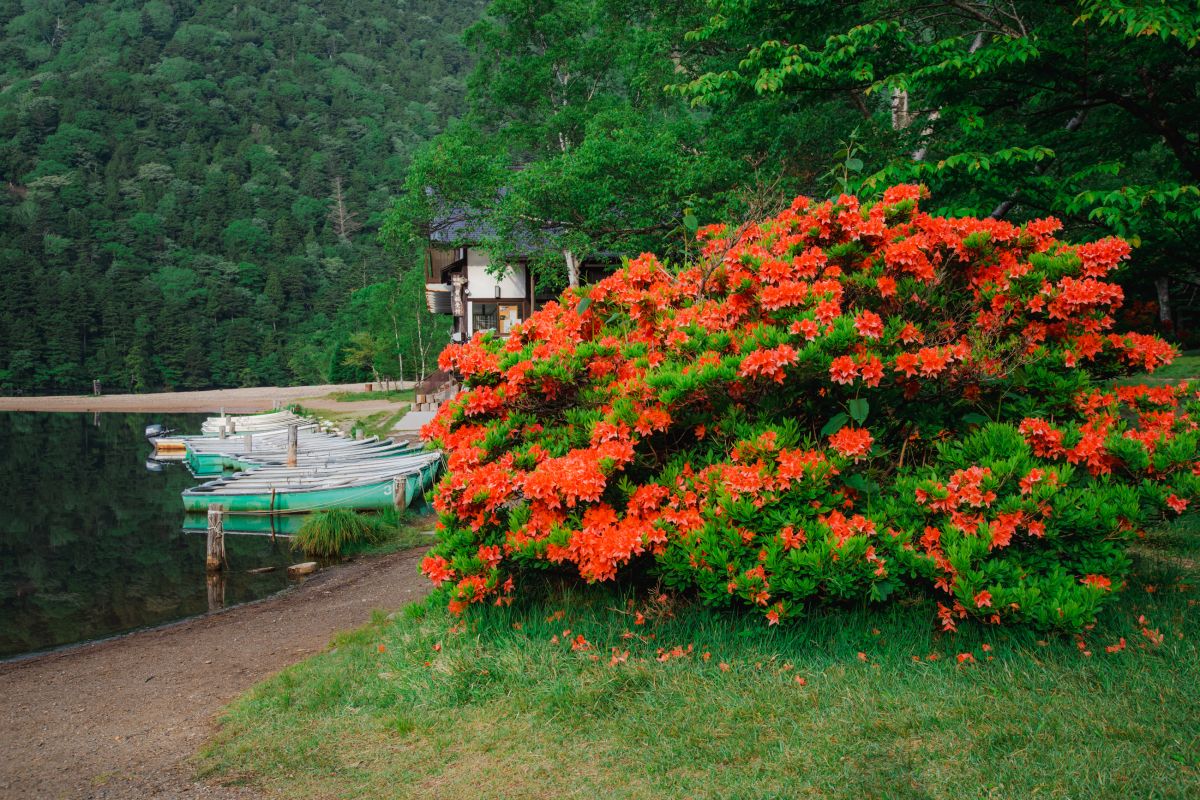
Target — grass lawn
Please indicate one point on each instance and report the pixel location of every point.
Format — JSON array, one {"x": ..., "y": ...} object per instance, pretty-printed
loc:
[
  {"x": 391, "y": 394},
  {"x": 500, "y": 705},
  {"x": 1186, "y": 367},
  {"x": 380, "y": 423}
]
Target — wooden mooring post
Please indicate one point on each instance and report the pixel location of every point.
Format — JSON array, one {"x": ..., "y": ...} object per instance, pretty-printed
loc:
[
  {"x": 293, "y": 436},
  {"x": 214, "y": 559},
  {"x": 216, "y": 590},
  {"x": 248, "y": 441},
  {"x": 221, "y": 431}
]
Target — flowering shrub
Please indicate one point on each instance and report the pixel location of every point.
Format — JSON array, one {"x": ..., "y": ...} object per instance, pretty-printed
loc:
[{"x": 839, "y": 402}]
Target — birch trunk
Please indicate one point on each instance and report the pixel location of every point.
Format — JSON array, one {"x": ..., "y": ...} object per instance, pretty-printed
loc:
[
  {"x": 572, "y": 267},
  {"x": 1163, "y": 287}
]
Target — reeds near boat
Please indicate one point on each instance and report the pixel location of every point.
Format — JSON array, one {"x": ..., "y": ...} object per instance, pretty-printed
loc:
[{"x": 327, "y": 534}]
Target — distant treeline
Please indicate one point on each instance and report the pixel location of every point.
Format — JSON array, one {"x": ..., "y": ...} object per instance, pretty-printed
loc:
[{"x": 193, "y": 190}]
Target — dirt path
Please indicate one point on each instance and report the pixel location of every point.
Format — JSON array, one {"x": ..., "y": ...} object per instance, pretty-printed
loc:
[
  {"x": 236, "y": 401},
  {"x": 121, "y": 718}
]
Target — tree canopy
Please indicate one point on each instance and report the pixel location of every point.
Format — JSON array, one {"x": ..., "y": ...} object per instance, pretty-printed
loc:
[{"x": 625, "y": 125}]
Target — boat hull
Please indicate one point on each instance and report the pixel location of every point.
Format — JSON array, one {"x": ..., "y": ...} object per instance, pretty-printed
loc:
[{"x": 399, "y": 492}]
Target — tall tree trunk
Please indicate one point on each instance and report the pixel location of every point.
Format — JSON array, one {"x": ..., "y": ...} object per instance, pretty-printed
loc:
[
  {"x": 572, "y": 267},
  {"x": 1163, "y": 287},
  {"x": 420, "y": 341}
]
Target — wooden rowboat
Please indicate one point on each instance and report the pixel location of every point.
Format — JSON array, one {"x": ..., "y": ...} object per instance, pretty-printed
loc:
[{"x": 283, "y": 493}]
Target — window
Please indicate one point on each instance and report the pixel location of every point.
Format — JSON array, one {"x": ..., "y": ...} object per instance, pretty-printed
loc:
[
  {"x": 483, "y": 317},
  {"x": 499, "y": 317}
]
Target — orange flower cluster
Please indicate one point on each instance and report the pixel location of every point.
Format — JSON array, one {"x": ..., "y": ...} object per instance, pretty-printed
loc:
[{"x": 842, "y": 401}]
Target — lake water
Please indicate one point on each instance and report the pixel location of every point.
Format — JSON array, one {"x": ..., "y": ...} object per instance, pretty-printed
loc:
[{"x": 92, "y": 542}]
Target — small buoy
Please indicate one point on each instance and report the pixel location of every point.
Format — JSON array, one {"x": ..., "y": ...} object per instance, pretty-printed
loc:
[{"x": 303, "y": 569}]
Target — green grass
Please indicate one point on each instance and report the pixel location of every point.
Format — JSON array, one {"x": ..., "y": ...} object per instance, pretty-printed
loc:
[
  {"x": 380, "y": 423},
  {"x": 1186, "y": 367},
  {"x": 402, "y": 530},
  {"x": 340, "y": 532},
  {"x": 328, "y": 534},
  {"x": 501, "y": 711},
  {"x": 392, "y": 394}
]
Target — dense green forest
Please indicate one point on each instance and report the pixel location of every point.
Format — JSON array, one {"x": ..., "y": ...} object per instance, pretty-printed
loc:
[
  {"x": 193, "y": 190},
  {"x": 225, "y": 193}
]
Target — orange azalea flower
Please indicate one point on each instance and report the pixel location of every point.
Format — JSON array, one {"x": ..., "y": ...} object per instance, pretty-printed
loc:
[
  {"x": 852, "y": 442},
  {"x": 843, "y": 370},
  {"x": 769, "y": 363},
  {"x": 1099, "y": 581},
  {"x": 868, "y": 324}
]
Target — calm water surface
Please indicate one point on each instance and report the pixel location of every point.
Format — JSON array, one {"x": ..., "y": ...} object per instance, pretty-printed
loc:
[{"x": 92, "y": 542}]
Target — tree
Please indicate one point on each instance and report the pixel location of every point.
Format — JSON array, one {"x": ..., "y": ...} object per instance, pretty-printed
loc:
[
  {"x": 342, "y": 219},
  {"x": 1087, "y": 110}
]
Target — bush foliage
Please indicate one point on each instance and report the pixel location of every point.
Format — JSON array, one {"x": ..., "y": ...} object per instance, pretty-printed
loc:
[{"x": 842, "y": 402}]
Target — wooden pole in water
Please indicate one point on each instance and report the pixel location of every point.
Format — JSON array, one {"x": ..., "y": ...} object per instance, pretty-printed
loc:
[
  {"x": 249, "y": 442},
  {"x": 221, "y": 431},
  {"x": 214, "y": 559},
  {"x": 292, "y": 437},
  {"x": 216, "y": 590}
]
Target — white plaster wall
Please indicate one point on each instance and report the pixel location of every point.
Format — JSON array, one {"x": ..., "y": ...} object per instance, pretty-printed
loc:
[{"x": 482, "y": 286}]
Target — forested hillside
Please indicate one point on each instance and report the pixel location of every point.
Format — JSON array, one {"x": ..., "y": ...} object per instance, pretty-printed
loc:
[{"x": 193, "y": 190}]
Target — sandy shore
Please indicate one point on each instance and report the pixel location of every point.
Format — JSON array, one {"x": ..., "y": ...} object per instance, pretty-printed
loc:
[
  {"x": 239, "y": 401},
  {"x": 122, "y": 718}
]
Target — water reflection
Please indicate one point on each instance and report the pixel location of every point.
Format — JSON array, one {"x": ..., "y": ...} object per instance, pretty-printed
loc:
[{"x": 91, "y": 536}]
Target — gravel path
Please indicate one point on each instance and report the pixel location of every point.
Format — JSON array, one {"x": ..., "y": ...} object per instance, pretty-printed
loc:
[{"x": 121, "y": 718}]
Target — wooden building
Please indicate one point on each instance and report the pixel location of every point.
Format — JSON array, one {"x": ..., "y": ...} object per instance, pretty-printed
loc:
[{"x": 460, "y": 281}]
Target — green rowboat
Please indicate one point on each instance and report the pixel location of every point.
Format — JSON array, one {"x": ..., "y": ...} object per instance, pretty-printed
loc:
[{"x": 315, "y": 493}]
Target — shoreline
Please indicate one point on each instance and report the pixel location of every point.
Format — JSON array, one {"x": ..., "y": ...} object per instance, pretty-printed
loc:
[
  {"x": 128, "y": 712},
  {"x": 234, "y": 401}
]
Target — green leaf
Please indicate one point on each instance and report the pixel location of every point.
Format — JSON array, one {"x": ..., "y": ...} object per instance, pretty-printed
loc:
[
  {"x": 859, "y": 409},
  {"x": 583, "y": 305},
  {"x": 691, "y": 222},
  {"x": 835, "y": 424},
  {"x": 854, "y": 164},
  {"x": 858, "y": 483},
  {"x": 975, "y": 418},
  {"x": 881, "y": 590}
]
